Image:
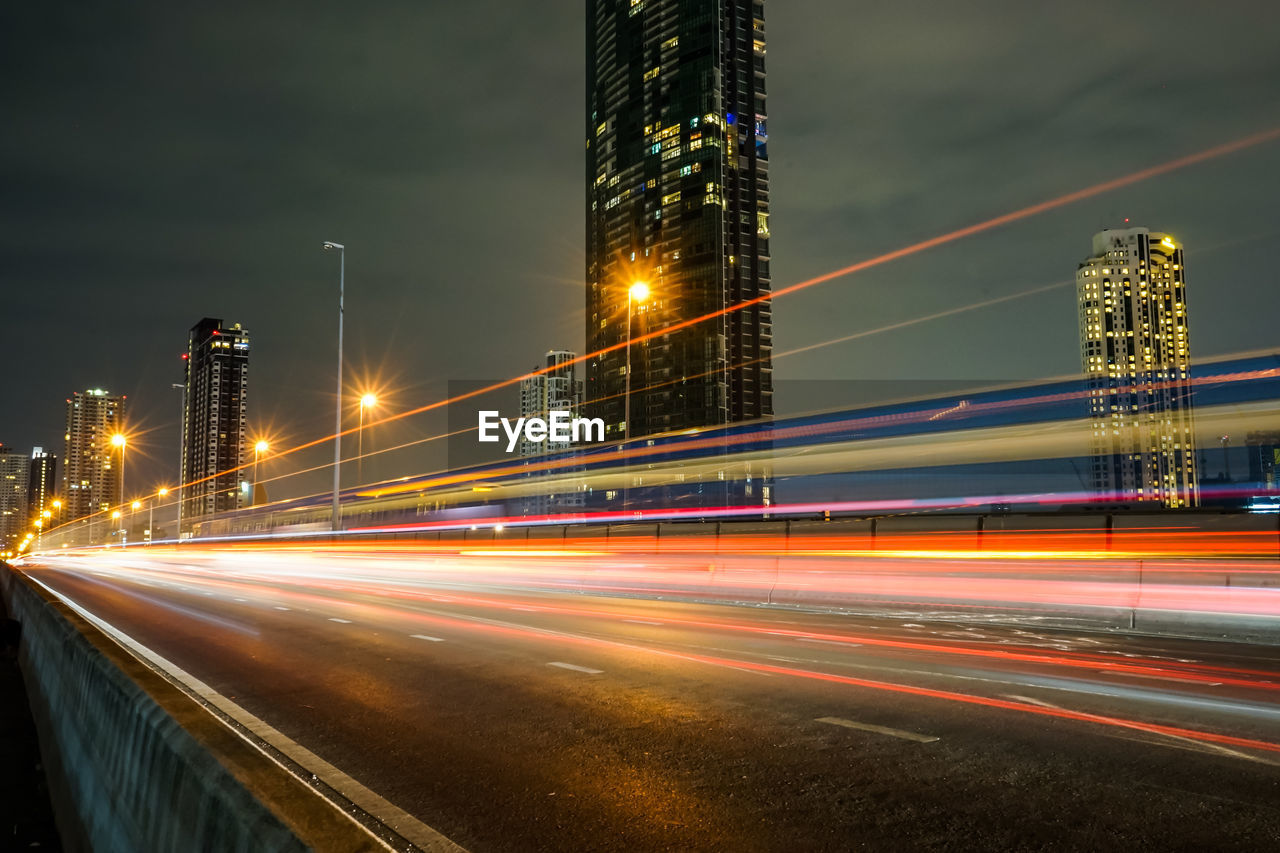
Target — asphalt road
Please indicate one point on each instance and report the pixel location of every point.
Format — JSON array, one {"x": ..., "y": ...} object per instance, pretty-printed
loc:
[{"x": 514, "y": 720}]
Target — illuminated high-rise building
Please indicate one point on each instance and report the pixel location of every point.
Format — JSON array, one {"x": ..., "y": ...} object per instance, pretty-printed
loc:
[
  {"x": 91, "y": 463},
  {"x": 214, "y": 428},
  {"x": 14, "y": 467},
  {"x": 42, "y": 484},
  {"x": 556, "y": 390},
  {"x": 1136, "y": 357},
  {"x": 677, "y": 198}
]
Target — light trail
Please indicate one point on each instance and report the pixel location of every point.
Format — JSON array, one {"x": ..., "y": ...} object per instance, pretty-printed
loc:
[
  {"x": 372, "y": 611},
  {"x": 888, "y": 257},
  {"x": 298, "y": 581}
]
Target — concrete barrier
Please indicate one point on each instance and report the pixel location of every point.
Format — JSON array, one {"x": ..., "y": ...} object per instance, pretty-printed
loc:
[{"x": 136, "y": 764}]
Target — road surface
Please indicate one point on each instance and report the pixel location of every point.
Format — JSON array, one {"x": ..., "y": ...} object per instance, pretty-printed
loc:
[{"x": 534, "y": 720}]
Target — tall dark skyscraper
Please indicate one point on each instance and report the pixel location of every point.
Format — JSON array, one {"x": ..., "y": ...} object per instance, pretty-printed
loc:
[
  {"x": 214, "y": 431},
  {"x": 677, "y": 198},
  {"x": 42, "y": 484}
]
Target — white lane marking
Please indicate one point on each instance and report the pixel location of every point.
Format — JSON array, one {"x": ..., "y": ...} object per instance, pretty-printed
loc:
[
  {"x": 828, "y": 642},
  {"x": 392, "y": 816},
  {"x": 526, "y": 609},
  {"x": 588, "y": 670},
  {"x": 341, "y": 621},
  {"x": 428, "y": 639},
  {"x": 278, "y": 607},
  {"x": 1160, "y": 678},
  {"x": 642, "y": 622},
  {"x": 241, "y": 600},
  {"x": 880, "y": 730}
]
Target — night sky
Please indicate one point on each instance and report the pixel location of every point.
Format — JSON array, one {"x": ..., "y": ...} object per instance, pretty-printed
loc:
[{"x": 159, "y": 164}]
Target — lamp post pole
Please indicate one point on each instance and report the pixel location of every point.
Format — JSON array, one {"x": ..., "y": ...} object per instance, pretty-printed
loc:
[
  {"x": 119, "y": 440},
  {"x": 337, "y": 415},
  {"x": 260, "y": 447},
  {"x": 626, "y": 394},
  {"x": 182, "y": 452},
  {"x": 636, "y": 293},
  {"x": 367, "y": 401}
]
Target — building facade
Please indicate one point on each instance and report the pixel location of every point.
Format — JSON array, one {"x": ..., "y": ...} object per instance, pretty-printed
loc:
[
  {"x": 214, "y": 437},
  {"x": 14, "y": 520},
  {"x": 42, "y": 485},
  {"x": 556, "y": 390},
  {"x": 677, "y": 198},
  {"x": 91, "y": 463},
  {"x": 1135, "y": 352}
]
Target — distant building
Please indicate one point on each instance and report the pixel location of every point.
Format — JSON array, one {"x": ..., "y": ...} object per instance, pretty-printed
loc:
[
  {"x": 1136, "y": 357},
  {"x": 557, "y": 390},
  {"x": 42, "y": 484},
  {"x": 14, "y": 468},
  {"x": 1263, "y": 449},
  {"x": 213, "y": 429},
  {"x": 91, "y": 464},
  {"x": 677, "y": 197}
]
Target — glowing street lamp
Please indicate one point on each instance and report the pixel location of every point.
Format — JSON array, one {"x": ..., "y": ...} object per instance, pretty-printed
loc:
[
  {"x": 119, "y": 441},
  {"x": 151, "y": 513},
  {"x": 368, "y": 401},
  {"x": 259, "y": 448},
  {"x": 637, "y": 294}
]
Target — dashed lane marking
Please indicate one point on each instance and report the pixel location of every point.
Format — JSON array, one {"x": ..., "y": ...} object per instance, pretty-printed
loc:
[
  {"x": 880, "y": 730},
  {"x": 428, "y": 639},
  {"x": 573, "y": 666}
]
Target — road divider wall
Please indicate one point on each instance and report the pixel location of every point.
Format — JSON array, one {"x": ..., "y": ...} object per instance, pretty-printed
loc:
[{"x": 134, "y": 763}]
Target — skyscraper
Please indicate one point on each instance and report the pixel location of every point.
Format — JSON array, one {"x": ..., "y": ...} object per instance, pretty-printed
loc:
[
  {"x": 213, "y": 430},
  {"x": 557, "y": 390},
  {"x": 677, "y": 198},
  {"x": 42, "y": 484},
  {"x": 14, "y": 467},
  {"x": 91, "y": 464},
  {"x": 1134, "y": 349}
]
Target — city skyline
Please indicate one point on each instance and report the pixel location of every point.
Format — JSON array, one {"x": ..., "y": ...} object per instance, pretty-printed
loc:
[{"x": 1231, "y": 239}]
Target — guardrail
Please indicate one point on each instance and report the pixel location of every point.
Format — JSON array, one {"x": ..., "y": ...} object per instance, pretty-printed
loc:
[{"x": 135, "y": 764}]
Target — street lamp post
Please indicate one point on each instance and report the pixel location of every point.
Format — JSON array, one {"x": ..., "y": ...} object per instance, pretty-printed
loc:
[
  {"x": 368, "y": 401},
  {"x": 636, "y": 295},
  {"x": 337, "y": 427},
  {"x": 182, "y": 452},
  {"x": 259, "y": 448},
  {"x": 151, "y": 515},
  {"x": 133, "y": 512},
  {"x": 119, "y": 440}
]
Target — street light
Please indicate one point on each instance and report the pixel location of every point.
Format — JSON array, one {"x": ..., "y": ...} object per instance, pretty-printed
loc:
[
  {"x": 151, "y": 514},
  {"x": 337, "y": 431},
  {"x": 259, "y": 448},
  {"x": 637, "y": 294},
  {"x": 182, "y": 447},
  {"x": 368, "y": 401},
  {"x": 119, "y": 440},
  {"x": 134, "y": 507}
]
